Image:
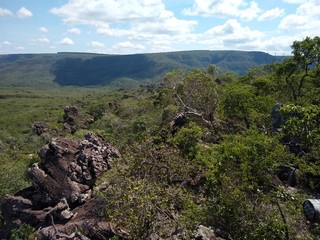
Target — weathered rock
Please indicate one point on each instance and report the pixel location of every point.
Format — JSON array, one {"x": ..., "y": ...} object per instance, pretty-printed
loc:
[
  {"x": 61, "y": 184},
  {"x": 74, "y": 120},
  {"x": 289, "y": 174},
  {"x": 70, "y": 114},
  {"x": 207, "y": 233},
  {"x": 39, "y": 128},
  {"x": 277, "y": 119},
  {"x": 179, "y": 121},
  {"x": 85, "y": 218}
]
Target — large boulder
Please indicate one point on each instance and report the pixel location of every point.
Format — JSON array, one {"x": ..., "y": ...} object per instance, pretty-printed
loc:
[{"x": 62, "y": 185}]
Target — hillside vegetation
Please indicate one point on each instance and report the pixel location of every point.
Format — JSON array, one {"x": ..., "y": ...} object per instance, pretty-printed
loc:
[
  {"x": 120, "y": 71},
  {"x": 237, "y": 153}
]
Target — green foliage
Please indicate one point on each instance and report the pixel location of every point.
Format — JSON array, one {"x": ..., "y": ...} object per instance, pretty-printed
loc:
[
  {"x": 263, "y": 86},
  {"x": 302, "y": 69},
  {"x": 198, "y": 93},
  {"x": 97, "y": 111},
  {"x": 169, "y": 112},
  {"x": 255, "y": 155},
  {"x": 187, "y": 139},
  {"x": 240, "y": 175},
  {"x": 212, "y": 70},
  {"x": 139, "y": 130},
  {"x": 24, "y": 232},
  {"x": 228, "y": 77},
  {"x": 237, "y": 103},
  {"x": 173, "y": 78},
  {"x": 164, "y": 97},
  {"x": 149, "y": 202},
  {"x": 302, "y": 124}
]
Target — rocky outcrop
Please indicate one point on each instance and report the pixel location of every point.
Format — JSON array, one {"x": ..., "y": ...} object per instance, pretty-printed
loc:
[
  {"x": 60, "y": 199},
  {"x": 207, "y": 233},
  {"x": 40, "y": 128},
  {"x": 73, "y": 120},
  {"x": 179, "y": 121},
  {"x": 289, "y": 175},
  {"x": 277, "y": 119}
]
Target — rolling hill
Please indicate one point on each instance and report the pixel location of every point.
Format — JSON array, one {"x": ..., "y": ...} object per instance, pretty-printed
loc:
[{"x": 87, "y": 69}]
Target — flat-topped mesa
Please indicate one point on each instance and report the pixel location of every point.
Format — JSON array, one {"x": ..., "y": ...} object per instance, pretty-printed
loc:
[{"x": 65, "y": 176}]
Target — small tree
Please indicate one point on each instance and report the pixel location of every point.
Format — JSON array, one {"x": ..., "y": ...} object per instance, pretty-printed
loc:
[
  {"x": 237, "y": 103},
  {"x": 302, "y": 67},
  {"x": 198, "y": 95}
]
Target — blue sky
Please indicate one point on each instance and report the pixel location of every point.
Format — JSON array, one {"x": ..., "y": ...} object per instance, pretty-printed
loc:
[{"x": 141, "y": 26}]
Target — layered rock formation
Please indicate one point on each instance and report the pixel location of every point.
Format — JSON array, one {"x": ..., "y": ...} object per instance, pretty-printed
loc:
[{"x": 60, "y": 200}]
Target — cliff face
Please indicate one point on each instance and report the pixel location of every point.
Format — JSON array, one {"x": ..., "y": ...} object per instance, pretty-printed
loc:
[{"x": 60, "y": 199}]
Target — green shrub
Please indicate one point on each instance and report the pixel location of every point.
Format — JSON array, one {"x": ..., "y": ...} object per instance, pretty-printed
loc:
[
  {"x": 187, "y": 139},
  {"x": 24, "y": 232}
]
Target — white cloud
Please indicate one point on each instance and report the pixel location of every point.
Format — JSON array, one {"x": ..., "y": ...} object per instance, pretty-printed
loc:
[
  {"x": 135, "y": 20},
  {"x": 5, "y": 12},
  {"x": 66, "y": 41},
  {"x": 43, "y": 29},
  {"x": 150, "y": 26},
  {"x": 224, "y": 8},
  {"x": 6, "y": 43},
  {"x": 294, "y": 1},
  {"x": 20, "y": 48},
  {"x": 305, "y": 21},
  {"x": 271, "y": 14},
  {"x": 108, "y": 11},
  {"x": 231, "y": 35},
  {"x": 74, "y": 31},
  {"x": 24, "y": 13},
  {"x": 127, "y": 47},
  {"x": 114, "y": 32},
  {"x": 278, "y": 45},
  {"x": 43, "y": 40},
  {"x": 96, "y": 44}
]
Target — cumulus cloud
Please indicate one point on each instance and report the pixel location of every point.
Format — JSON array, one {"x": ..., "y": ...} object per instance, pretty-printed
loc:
[
  {"x": 232, "y": 35},
  {"x": 305, "y": 21},
  {"x": 24, "y": 13},
  {"x": 43, "y": 29},
  {"x": 74, "y": 31},
  {"x": 66, "y": 41},
  {"x": 271, "y": 14},
  {"x": 5, "y": 12},
  {"x": 108, "y": 11},
  {"x": 135, "y": 20},
  {"x": 224, "y": 8},
  {"x": 149, "y": 26},
  {"x": 96, "y": 44}
]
